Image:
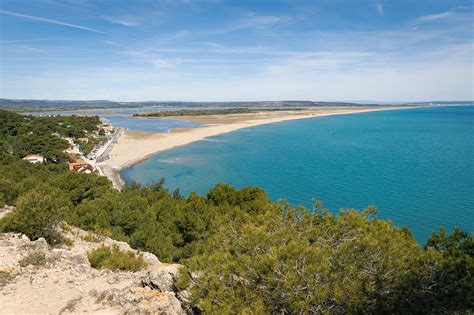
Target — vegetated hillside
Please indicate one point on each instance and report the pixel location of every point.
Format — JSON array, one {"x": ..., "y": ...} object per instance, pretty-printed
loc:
[
  {"x": 245, "y": 253},
  {"x": 22, "y": 135},
  {"x": 45, "y": 105}
]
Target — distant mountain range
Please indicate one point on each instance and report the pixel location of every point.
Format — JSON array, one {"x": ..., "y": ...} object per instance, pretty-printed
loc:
[
  {"x": 442, "y": 103},
  {"x": 22, "y": 104}
]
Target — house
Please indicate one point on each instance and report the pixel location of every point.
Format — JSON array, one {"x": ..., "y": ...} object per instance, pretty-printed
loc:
[
  {"x": 34, "y": 158},
  {"x": 86, "y": 140},
  {"x": 80, "y": 167}
]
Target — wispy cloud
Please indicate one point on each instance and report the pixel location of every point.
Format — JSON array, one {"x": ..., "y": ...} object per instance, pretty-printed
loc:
[
  {"x": 173, "y": 36},
  {"x": 211, "y": 44},
  {"x": 124, "y": 21},
  {"x": 262, "y": 21},
  {"x": 33, "y": 49},
  {"x": 161, "y": 63},
  {"x": 286, "y": 51},
  {"x": 379, "y": 5},
  {"x": 250, "y": 21},
  {"x": 458, "y": 13},
  {"x": 17, "y": 41},
  {"x": 45, "y": 20},
  {"x": 434, "y": 17},
  {"x": 111, "y": 43},
  {"x": 259, "y": 22}
]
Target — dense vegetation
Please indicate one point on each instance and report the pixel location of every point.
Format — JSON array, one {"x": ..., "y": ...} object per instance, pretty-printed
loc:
[
  {"x": 245, "y": 253},
  {"x": 206, "y": 112},
  {"x": 23, "y": 135}
]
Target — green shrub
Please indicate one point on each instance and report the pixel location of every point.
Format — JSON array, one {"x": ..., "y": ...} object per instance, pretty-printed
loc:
[
  {"x": 68, "y": 242},
  {"x": 115, "y": 259},
  {"x": 91, "y": 238},
  {"x": 36, "y": 258},
  {"x": 36, "y": 215},
  {"x": 184, "y": 279},
  {"x": 294, "y": 261},
  {"x": 65, "y": 227}
]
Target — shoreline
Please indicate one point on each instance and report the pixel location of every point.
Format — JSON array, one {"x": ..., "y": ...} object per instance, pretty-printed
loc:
[{"x": 133, "y": 147}]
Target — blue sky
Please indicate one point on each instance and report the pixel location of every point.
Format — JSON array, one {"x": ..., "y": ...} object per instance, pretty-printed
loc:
[{"x": 384, "y": 50}]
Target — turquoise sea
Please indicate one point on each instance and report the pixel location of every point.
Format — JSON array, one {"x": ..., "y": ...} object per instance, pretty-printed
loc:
[{"x": 415, "y": 165}]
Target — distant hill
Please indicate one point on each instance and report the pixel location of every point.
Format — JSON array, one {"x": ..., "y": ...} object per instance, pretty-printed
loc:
[
  {"x": 442, "y": 103},
  {"x": 44, "y": 105},
  {"x": 54, "y": 104}
]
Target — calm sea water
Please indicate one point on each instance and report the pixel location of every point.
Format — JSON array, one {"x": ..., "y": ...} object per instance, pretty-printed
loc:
[{"x": 415, "y": 165}]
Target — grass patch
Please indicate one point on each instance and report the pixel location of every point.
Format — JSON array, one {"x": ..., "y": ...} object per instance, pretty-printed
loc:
[
  {"x": 91, "y": 238},
  {"x": 5, "y": 278},
  {"x": 36, "y": 258},
  {"x": 65, "y": 227},
  {"x": 68, "y": 242},
  {"x": 115, "y": 259}
]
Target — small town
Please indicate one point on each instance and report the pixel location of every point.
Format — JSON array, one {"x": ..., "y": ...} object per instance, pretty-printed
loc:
[{"x": 84, "y": 152}]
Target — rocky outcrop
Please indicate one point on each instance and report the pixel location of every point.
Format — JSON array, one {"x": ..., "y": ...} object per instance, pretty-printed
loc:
[{"x": 61, "y": 279}]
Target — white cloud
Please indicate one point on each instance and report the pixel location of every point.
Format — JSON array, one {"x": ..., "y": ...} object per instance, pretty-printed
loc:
[
  {"x": 379, "y": 6},
  {"x": 16, "y": 41},
  {"x": 369, "y": 76},
  {"x": 161, "y": 63},
  {"x": 40, "y": 19},
  {"x": 111, "y": 43},
  {"x": 174, "y": 36},
  {"x": 409, "y": 62},
  {"x": 433, "y": 17},
  {"x": 34, "y": 49},
  {"x": 211, "y": 44},
  {"x": 458, "y": 14},
  {"x": 124, "y": 21}
]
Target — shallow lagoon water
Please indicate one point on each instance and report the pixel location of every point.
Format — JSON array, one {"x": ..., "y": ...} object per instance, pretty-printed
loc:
[
  {"x": 415, "y": 165},
  {"x": 122, "y": 117},
  {"x": 149, "y": 124}
]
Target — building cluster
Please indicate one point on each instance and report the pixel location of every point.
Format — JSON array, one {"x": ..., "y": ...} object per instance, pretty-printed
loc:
[{"x": 79, "y": 166}]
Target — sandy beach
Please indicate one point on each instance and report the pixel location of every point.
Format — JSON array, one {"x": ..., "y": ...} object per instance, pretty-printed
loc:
[{"x": 133, "y": 147}]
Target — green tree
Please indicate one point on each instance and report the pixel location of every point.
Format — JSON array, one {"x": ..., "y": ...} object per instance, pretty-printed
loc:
[
  {"x": 37, "y": 214},
  {"x": 292, "y": 261}
]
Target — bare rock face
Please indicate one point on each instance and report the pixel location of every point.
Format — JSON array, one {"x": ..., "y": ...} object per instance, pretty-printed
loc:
[
  {"x": 139, "y": 300},
  {"x": 36, "y": 278},
  {"x": 160, "y": 277}
]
